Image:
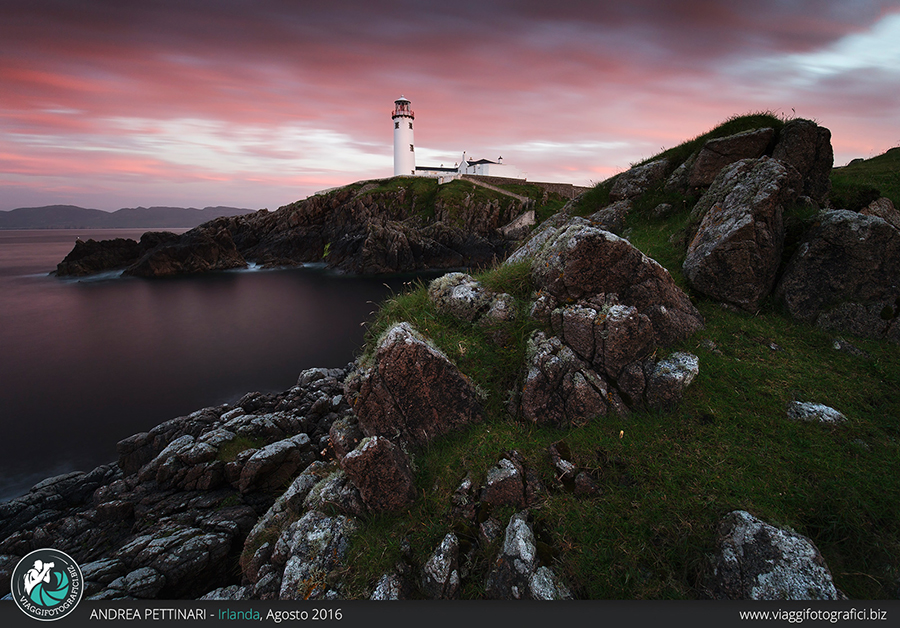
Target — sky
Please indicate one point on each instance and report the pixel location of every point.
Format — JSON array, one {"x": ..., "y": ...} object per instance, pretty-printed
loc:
[{"x": 111, "y": 104}]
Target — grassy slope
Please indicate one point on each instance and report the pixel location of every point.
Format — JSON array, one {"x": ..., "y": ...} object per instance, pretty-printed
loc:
[
  {"x": 668, "y": 478},
  {"x": 856, "y": 183}
]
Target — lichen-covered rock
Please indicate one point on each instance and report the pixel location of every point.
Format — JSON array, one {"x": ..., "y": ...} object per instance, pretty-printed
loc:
[
  {"x": 142, "y": 583},
  {"x": 517, "y": 573},
  {"x": 412, "y": 392},
  {"x": 845, "y": 276},
  {"x": 440, "y": 575},
  {"x": 560, "y": 388},
  {"x": 884, "y": 209},
  {"x": 336, "y": 492},
  {"x": 723, "y": 151},
  {"x": 381, "y": 471},
  {"x": 668, "y": 379},
  {"x": 736, "y": 252},
  {"x": 612, "y": 217},
  {"x": 814, "y": 413},
  {"x": 390, "y": 587},
  {"x": 637, "y": 180},
  {"x": 757, "y": 561},
  {"x": 274, "y": 465},
  {"x": 459, "y": 295},
  {"x": 807, "y": 147},
  {"x": 344, "y": 435},
  {"x": 607, "y": 335},
  {"x": 504, "y": 485},
  {"x": 581, "y": 261},
  {"x": 311, "y": 550}
]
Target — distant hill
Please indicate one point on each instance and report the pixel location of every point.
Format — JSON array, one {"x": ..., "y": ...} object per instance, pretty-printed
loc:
[{"x": 72, "y": 217}]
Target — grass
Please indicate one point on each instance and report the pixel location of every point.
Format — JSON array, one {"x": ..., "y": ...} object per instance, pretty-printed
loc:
[
  {"x": 859, "y": 183},
  {"x": 668, "y": 478}
]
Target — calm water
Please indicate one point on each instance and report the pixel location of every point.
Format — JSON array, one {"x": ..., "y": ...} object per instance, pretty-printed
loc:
[{"x": 86, "y": 363}]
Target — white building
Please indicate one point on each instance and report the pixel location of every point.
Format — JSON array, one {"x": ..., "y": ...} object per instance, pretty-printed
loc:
[
  {"x": 405, "y": 154},
  {"x": 404, "y": 146}
]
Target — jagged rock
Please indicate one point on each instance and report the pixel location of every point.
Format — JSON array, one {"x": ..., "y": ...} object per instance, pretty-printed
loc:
[
  {"x": 273, "y": 465},
  {"x": 336, "y": 491},
  {"x": 231, "y": 593},
  {"x": 607, "y": 335},
  {"x": 517, "y": 573},
  {"x": 720, "y": 152},
  {"x": 413, "y": 391},
  {"x": 311, "y": 549},
  {"x": 637, "y": 180},
  {"x": 612, "y": 218},
  {"x": 757, "y": 561},
  {"x": 201, "y": 249},
  {"x": 94, "y": 256},
  {"x": 440, "y": 575},
  {"x": 845, "y": 276},
  {"x": 144, "y": 583},
  {"x": 814, "y": 412},
  {"x": 463, "y": 501},
  {"x": 560, "y": 388},
  {"x": 735, "y": 255},
  {"x": 565, "y": 470},
  {"x": 345, "y": 435},
  {"x": 545, "y": 585},
  {"x": 807, "y": 147},
  {"x": 581, "y": 261},
  {"x": 668, "y": 379},
  {"x": 459, "y": 295},
  {"x": 501, "y": 310},
  {"x": 382, "y": 473},
  {"x": 884, "y": 209},
  {"x": 390, "y": 587},
  {"x": 504, "y": 485}
]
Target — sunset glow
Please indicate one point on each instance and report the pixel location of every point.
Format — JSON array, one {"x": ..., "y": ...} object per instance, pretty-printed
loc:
[{"x": 198, "y": 103}]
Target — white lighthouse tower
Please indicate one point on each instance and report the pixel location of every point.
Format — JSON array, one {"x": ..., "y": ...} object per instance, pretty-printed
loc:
[{"x": 404, "y": 147}]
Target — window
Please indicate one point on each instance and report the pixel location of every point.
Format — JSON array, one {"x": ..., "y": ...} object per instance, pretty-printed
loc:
[
  {"x": 410, "y": 125},
  {"x": 397, "y": 125},
  {"x": 411, "y": 148}
]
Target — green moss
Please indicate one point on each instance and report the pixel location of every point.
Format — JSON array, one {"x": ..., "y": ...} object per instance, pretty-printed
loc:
[{"x": 228, "y": 452}]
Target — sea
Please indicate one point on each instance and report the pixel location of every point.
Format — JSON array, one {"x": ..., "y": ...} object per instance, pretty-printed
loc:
[{"x": 87, "y": 362}]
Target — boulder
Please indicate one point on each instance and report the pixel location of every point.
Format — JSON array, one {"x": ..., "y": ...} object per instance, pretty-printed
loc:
[
  {"x": 637, "y": 180},
  {"x": 459, "y": 295},
  {"x": 412, "y": 391},
  {"x": 807, "y": 147},
  {"x": 504, "y": 485},
  {"x": 274, "y": 465},
  {"x": 581, "y": 261},
  {"x": 336, "y": 492},
  {"x": 884, "y": 209},
  {"x": 814, "y": 413},
  {"x": 382, "y": 473},
  {"x": 440, "y": 575},
  {"x": 757, "y": 561},
  {"x": 845, "y": 276},
  {"x": 560, "y": 388},
  {"x": 390, "y": 587},
  {"x": 311, "y": 550},
  {"x": 736, "y": 252},
  {"x": 517, "y": 573},
  {"x": 723, "y": 151},
  {"x": 344, "y": 435},
  {"x": 668, "y": 379},
  {"x": 612, "y": 217}
]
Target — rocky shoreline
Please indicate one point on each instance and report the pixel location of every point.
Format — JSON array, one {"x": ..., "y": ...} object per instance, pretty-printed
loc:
[{"x": 261, "y": 499}]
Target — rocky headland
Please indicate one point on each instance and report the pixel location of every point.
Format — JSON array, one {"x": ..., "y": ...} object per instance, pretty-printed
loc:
[{"x": 265, "y": 498}]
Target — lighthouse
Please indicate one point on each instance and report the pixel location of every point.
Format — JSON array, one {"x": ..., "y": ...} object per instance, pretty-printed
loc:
[{"x": 404, "y": 147}]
